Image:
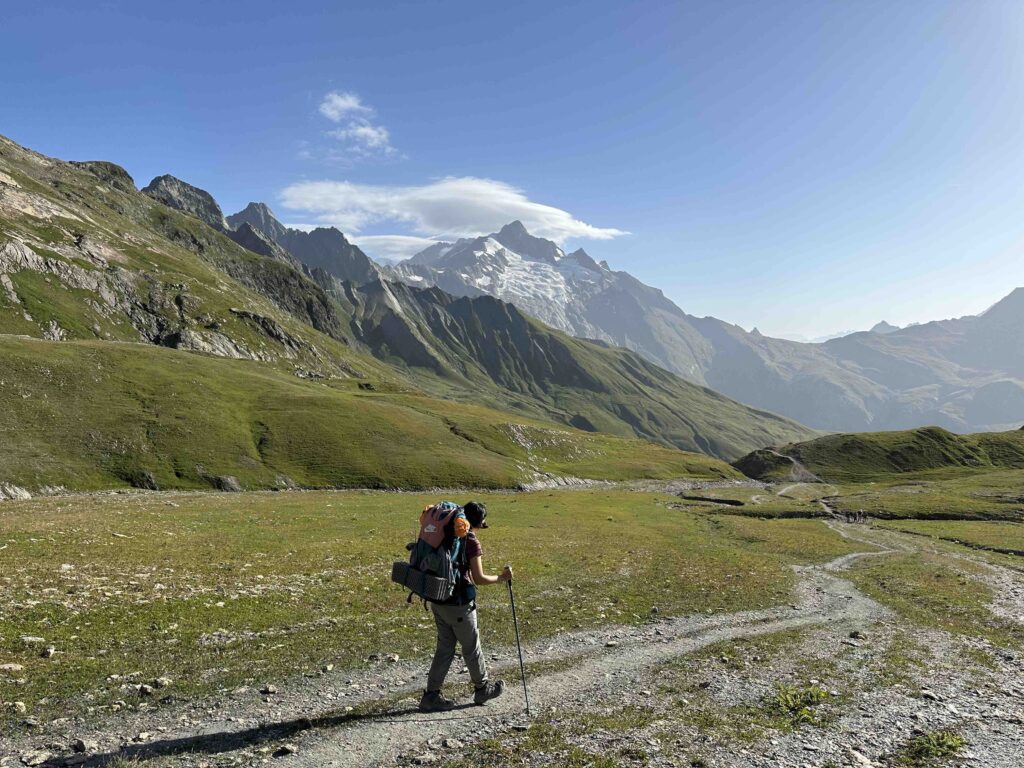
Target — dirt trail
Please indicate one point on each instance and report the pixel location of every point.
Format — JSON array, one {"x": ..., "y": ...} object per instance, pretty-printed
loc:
[{"x": 573, "y": 664}]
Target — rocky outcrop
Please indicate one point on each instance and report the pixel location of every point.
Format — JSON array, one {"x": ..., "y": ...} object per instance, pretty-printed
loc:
[
  {"x": 10, "y": 492},
  {"x": 182, "y": 196},
  {"x": 251, "y": 238},
  {"x": 109, "y": 173},
  {"x": 323, "y": 248}
]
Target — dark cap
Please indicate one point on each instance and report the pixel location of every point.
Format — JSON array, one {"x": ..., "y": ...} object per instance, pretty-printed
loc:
[{"x": 476, "y": 513}]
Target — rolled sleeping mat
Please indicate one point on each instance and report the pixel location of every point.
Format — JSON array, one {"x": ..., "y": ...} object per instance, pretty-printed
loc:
[{"x": 423, "y": 584}]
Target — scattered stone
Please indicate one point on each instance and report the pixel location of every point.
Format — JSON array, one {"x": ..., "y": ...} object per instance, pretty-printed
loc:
[
  {"x": 286, "y": 749},
  {"x": 18, "y": 706},
  {"x": 611, "y": 644},
  {"x": 452, "y": 744},
  {"x": 427, "y": 758},
  {"x": 859, "y": 759},
  {"x": 84, "y": 745},
  {"x": 48, "y": 652},
  {"x": 146, "y": 690},
  {"x": 392, "y": 657},
  {"x": 268, "y": 690},
  {"x": 858, "y": 635},
  {"x": 32, "y": 639},
  {"x": 36, "y": 757},
  {"x": 163, "y": 682},
  {"x": 930, "y": 695},
  {"x": 11, "y": 668}
]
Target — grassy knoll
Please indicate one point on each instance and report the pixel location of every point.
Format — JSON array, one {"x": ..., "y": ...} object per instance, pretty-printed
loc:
[
  {"x": 91, "y": 415},
  {"x": 996, "y": 536},
  {"x": 865, "y": 456},
  {"x": 215, "y": 590}
]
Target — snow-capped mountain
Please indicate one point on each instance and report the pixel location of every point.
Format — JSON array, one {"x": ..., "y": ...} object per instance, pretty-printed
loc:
[
  {"x": 569, "y": 291},
  {"x": 886, "y": 378},
  {"x": 530, "y": 272}
]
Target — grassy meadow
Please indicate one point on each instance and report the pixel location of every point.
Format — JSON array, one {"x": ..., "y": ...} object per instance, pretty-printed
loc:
[
  {"x": 216, "y": 590},
  {"x": 947, "y": 494},
  {"x": 94, "y": 415}
]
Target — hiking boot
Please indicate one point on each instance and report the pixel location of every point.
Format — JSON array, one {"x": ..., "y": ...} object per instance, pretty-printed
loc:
[
  {"x": 435, "y": 701},
  {"x": 488, "y": 691}
]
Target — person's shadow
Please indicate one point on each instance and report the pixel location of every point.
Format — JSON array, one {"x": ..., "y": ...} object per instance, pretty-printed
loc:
[{"x": 229, "y": 741}]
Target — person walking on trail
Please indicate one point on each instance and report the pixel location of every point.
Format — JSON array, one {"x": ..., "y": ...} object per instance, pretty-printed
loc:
[{"x": 456, "y": 621}]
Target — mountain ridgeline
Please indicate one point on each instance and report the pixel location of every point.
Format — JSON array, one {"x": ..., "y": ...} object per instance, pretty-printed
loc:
[
  {"x": 965, "y": 374},
  {"x": 485, "y": 350},
  {"x": 150, "y": 340}
]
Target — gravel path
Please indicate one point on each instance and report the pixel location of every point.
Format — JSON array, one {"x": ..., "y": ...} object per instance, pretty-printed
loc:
[
  {"x": 574, "y": 671},
  {"x": 325, "y": 734}
]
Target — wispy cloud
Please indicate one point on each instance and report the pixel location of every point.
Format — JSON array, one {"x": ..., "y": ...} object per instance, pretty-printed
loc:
[
  {"x": 358, "y": 135},
  {"x": 337, "y": 105},
  {"x": 445, "y": 209}
]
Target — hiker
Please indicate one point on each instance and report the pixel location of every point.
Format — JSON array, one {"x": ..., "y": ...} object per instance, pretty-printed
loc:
[{"x": 456, "y": 621}]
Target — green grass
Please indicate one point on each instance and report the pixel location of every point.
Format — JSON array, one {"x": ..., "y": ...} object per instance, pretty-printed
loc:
[
  {"x": 928, "y": 591},
  {"x": 995, "y": 536},
  {"x": 930, "y": 748},
  {"x": 951, "y": 494},
  {"x": 93, "y": 415},
  {"x": 796, "y": 704},
  {"x": 296, "y": 581}
]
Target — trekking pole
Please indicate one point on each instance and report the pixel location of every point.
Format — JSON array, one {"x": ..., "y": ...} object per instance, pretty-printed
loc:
[{"x": 519, "y": 645}]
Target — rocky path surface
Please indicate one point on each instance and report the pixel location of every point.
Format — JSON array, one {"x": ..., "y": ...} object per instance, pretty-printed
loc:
[
  {"x": 325, "y": 721},
  {"x": 569, "y": 665},
  {"x": 822, "y": 597}
]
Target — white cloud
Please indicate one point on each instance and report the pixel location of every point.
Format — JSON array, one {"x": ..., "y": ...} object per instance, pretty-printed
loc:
[
  {"x": 448, "y": 208},
  {"x": 358, "y": 135},
  {"x": 392, "y": 247},
  {"x": 338, "y": 105}
]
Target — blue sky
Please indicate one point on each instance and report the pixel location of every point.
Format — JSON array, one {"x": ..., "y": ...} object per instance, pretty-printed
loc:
[{"x": 805, "y": 167}]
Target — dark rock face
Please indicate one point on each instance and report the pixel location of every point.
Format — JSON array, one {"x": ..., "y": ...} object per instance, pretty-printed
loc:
[
  {"x": 110, "y": 173},
  {"x": 515, "y": 237},
  {"x": 249, "y": 237},
  {"x": 323, "y": 248},
  {"x": 182, "y": 196},
  {"x": 226, "y": 483},
  {"x": 261, "y": 218}
]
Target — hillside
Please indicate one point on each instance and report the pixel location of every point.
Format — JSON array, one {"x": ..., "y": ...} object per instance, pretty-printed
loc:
[
  {"x": 964, "y": 375},
  {"x": 865, "y": 456},
  {"x": 89, "y": 415},
  {"x": 485, "y": 350},
  {"x": 114, "y": 276}
]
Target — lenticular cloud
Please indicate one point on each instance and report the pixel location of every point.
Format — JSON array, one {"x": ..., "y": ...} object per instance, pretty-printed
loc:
[{"x": 451, "y": 207}]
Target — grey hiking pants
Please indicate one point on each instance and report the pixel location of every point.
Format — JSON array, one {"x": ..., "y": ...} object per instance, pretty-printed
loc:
[{"x": 456, "y": 623}]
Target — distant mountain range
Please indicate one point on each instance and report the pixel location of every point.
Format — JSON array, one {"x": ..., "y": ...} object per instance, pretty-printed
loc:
[
  {"x": 88, "y": 259},
  {"x": 964, "y": 374}
]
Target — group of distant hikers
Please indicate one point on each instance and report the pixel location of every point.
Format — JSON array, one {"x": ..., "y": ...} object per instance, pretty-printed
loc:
[
  {"x": 445, "y": 568},
  {"x": 860, "y": 516}
]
